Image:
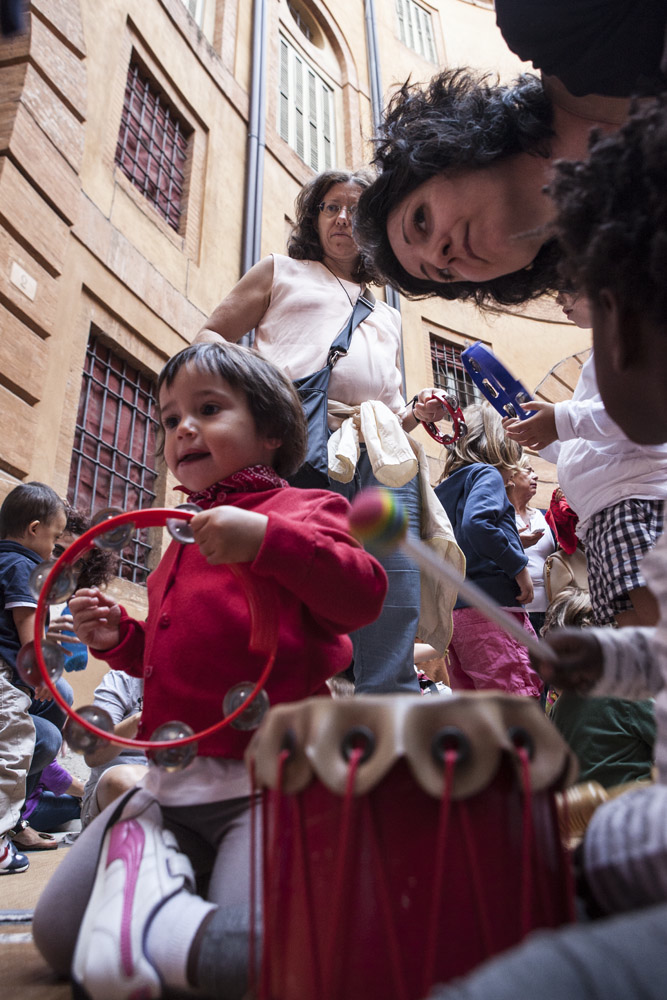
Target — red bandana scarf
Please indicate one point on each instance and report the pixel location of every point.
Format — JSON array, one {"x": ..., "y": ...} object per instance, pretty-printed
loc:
[{"x": 251, "y": 480}]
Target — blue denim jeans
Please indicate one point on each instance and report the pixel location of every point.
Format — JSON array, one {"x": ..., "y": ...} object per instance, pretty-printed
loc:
[
  {"x": 53, "y": 811},
  {"x": 384, "y": 650},
  {"x": 49, "y": 719}
]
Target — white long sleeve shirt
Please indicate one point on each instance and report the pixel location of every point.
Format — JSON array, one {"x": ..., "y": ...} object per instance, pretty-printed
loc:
[{"x": 598, "y": 465}]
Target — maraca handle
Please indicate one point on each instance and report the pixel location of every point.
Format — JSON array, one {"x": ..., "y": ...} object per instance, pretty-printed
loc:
[{"x": 455, "y": 412}]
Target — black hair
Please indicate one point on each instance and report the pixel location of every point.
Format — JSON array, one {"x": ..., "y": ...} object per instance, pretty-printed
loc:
[
  {"x": 462, "y": 121},
  {"x": 304, "y": 240},
  {"x": 612, "y": 213},
  {"x": 26, "y": 503},
  {"x": 271, "y": 397}
]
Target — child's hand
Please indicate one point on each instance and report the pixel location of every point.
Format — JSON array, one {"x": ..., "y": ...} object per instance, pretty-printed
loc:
[
  {"x": 579, "y": 665},
  {"x": 54, "y": 633},
  {"x": 43, "y": 692},
  {"x": 229, "y": 534},
  {"x": 525, "y": 594},
  {"x": 536, "y": 432},
  {"x": 96, "y": 618}
]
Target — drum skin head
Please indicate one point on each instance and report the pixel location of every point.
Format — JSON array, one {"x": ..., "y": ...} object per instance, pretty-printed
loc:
[{"x": 483, "y": 728}]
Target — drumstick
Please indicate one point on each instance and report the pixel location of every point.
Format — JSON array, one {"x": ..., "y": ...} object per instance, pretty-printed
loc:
[{"x": 377, "y": 517}]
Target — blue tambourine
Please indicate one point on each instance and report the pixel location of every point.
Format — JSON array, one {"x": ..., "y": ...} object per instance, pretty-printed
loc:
[{"x": 505, "y": 393}]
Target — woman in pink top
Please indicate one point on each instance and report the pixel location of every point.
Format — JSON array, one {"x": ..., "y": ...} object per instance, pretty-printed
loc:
[{"x": 297, "y": 304}]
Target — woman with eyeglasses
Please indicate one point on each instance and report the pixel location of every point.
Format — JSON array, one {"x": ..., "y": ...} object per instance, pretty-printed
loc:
[{"x": 297, "y": 304}]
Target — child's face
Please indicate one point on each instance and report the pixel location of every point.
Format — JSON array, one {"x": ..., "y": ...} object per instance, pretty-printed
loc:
[
  {"x": 209, "y": 431},
  {"x": 631, "y": 369},
  {"x": 577, "y": 309},
  {"x": 41, "y": 536}
]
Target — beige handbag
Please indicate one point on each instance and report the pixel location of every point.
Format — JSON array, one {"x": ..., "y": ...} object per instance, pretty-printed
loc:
[{"x": 562, "y": 570}]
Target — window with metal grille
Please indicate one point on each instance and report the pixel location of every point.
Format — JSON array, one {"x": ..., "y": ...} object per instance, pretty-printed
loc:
[
  {"x": 305, "y": 110},
  {"x": 152, "y": 145},
  {"x": 113, "y": 459},
  {"x": 449, "y": 373},
  {"x": 415, "y": 28}
]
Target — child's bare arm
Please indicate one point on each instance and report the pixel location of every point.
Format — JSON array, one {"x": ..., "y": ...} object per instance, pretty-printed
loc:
[
  {"x": 580, "y": 660},
  {"x": 536, "y": 432},
  {"x": 96, "y": 618},
  {"x": 229, "y": 534},
  {"x": 107, "y": 750}
]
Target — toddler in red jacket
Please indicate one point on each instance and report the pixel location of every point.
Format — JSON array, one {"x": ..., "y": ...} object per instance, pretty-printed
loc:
[{"x": 231, "y": 426}]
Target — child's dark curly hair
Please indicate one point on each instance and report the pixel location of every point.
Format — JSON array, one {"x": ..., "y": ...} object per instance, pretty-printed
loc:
[
  {"x": 612, "y": 213},
  {"x": 98, "y": 565},
  {"x": 463, "y": 121}
]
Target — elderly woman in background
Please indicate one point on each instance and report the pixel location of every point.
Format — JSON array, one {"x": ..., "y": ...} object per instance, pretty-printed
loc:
[
  {"x": 535, "y": 536},
  {"x": 297, "y": 304}
]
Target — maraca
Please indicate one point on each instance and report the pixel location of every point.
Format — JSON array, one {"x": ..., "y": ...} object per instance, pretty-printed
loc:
[{"x": 378, "y": 520}]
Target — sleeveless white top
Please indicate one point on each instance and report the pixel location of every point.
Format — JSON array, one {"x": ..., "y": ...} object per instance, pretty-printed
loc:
[{"x": 308, "y": 308}]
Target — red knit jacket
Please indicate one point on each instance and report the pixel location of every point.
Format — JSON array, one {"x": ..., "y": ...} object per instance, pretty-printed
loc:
[{"x": 194, "y": 644}]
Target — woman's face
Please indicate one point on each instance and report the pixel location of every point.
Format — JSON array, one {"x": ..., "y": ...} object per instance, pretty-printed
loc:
[
  {"x": 525, "y": 483},
  {"x": 335, "y": 227},
  {"x": 577, "y": 309},
  {"x": 468, "y": 227}
]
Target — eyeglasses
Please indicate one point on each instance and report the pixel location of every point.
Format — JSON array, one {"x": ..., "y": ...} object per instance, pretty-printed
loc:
[{"x": 331, "y": 209}]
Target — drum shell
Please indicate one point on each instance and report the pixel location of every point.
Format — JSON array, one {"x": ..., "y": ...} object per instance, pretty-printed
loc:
[{"x": 350, "y": 887}]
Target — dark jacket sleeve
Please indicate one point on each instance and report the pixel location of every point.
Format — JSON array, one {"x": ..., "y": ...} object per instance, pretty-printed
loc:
[{"x": 481, "y": 525}]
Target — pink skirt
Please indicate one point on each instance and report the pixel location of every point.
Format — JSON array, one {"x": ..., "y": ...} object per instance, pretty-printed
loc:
[{"x": 481, "y": 657}]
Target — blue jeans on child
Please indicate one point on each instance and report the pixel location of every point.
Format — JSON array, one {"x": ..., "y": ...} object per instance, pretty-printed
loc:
[
  {"x": 48, "y": 718},
  {"x": 53, "y": 811},
  {"x": 384, "y": 650}
]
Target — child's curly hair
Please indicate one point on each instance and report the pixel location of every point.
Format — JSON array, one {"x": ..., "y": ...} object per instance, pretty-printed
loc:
[
  {"x": 612, "y": 213},
  {"x": 99, "y": 565}
]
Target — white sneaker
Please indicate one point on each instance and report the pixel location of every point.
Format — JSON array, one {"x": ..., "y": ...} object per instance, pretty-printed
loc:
[
  {"x": 140, "y": 868},
  {"x": 11, "y": 860}
]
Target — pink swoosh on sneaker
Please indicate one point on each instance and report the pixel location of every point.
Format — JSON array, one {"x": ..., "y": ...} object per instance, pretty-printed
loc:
[{"x": 127, "y": 845}]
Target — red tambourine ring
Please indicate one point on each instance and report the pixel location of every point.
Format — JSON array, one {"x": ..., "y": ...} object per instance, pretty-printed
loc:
[
  {"x": 263, "y": 623},
  {"x": 455, "y": 412}
]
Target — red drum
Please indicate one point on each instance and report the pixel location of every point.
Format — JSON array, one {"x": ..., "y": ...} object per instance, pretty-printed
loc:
[{"x": 405, "y": 840}]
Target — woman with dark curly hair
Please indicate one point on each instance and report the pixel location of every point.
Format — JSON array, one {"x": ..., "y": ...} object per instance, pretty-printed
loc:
[
  {"x": 297, "y": 305},
  {"x": 459, "y": 208}
]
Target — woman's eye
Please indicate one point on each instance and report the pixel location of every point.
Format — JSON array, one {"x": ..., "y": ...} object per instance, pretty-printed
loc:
[
  {"x": 419, "y": 219},
  {"x": 444, "y": 274}
]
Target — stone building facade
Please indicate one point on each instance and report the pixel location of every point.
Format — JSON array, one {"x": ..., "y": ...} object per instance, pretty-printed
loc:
[{"x": 149, "y": 151}]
